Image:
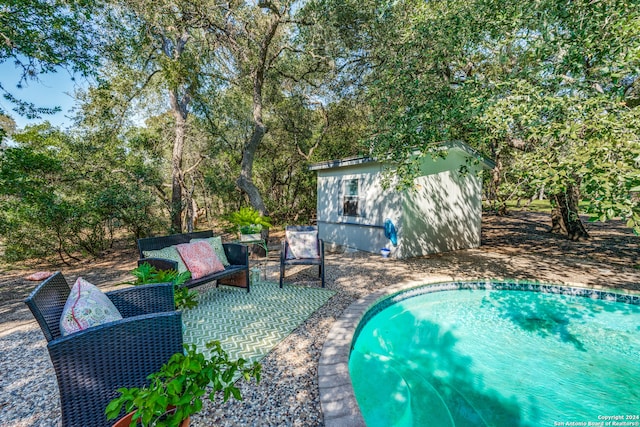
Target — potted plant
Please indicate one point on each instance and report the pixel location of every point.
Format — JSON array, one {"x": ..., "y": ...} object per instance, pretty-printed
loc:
[
  {"x": 175, "y": 392},
  {"x": 249, "y": 223},
  {"x": 250, "y": 232}
]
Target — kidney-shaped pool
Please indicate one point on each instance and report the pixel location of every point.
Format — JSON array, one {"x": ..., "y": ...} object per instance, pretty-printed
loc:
[{"x": 499, "y": 355}]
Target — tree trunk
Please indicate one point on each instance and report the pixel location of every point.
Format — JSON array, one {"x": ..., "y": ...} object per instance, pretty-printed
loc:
[
  {"x": 180, "y": 113},
  {"x": 179, "y": 98},
  {"x": 191, "y": 214},
  {"x": 565, "y": 218},
  {"x": 245, "y": 181},
  {"x": 499, "y": 206}
]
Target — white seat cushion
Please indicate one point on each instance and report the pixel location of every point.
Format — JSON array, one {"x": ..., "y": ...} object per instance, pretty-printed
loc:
[{"x": 302, "y": 244}]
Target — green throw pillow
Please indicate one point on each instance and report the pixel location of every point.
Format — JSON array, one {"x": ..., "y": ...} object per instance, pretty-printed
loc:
[
  {"x": 216, "y": 244},
  {"x": 170, "y": 253}
]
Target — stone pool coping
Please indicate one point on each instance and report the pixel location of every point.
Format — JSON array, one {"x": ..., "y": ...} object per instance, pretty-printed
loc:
[{"x": 337, "y": 399}]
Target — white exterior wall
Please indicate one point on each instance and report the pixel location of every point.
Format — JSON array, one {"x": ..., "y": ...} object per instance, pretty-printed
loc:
[
  {"x": 444, "y": 213},
  {"x": 366, "y": 232}
]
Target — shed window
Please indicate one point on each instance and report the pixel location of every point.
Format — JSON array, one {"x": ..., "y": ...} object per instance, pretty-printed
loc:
[{"x": 350, "y": 198}]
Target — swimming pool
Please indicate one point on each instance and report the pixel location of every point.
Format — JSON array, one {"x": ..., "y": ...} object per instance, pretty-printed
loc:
[{"x": 498, "y": 354}]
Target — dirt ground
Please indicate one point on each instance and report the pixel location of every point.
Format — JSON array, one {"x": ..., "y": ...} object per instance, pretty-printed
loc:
[{"x": 513, "y": 246}]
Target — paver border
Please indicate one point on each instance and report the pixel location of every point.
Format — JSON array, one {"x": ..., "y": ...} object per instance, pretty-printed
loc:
[{"x": 337, "y": 399}]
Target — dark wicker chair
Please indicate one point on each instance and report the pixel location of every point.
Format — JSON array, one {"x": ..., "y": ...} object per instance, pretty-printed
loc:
[
  {"x": 237, "y": 274},
  {"x": 319, "y": 261},
  {"x": 92, "y": 364}
]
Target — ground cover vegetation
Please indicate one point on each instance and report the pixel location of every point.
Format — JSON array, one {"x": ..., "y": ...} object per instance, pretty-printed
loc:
[{"x": 197, "y": 108}]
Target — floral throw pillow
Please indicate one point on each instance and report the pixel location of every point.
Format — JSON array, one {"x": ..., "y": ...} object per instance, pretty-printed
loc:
[
  {"x": 216, "y": 244},
  {"x": 86, "y": 306},
  {"x": 169, "y": 253},
  {"x": 199, "y": 258},
  {"x": 302, "y": 244}
]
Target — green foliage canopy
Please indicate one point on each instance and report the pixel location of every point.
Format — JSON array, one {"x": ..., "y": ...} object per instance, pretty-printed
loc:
[
  {"x": 64, "y": 195},
  {"x": 41, "y": 36},
  {"x": 548, "y": 88}
]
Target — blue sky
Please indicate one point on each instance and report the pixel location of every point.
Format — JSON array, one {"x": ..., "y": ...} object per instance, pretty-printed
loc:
[{"x": 51, "y": 90}]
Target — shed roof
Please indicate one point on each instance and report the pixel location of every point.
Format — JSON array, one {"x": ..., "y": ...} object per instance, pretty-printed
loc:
[
  {"x": 340, "y": 163},
  {"x": 486, "y": 162}
]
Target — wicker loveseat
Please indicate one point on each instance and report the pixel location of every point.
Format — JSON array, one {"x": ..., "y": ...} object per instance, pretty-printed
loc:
[
  {"x": 92, "y": 364},
  {"x": 236, "y": 274}
]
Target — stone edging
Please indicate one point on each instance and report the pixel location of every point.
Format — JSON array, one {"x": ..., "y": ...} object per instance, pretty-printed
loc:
[{"x": 337, "y": 400}]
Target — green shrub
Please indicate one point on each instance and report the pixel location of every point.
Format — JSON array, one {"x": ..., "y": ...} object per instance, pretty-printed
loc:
[
  {"x": 181, "y": 383},
  {"x": 184, "y": 298}
]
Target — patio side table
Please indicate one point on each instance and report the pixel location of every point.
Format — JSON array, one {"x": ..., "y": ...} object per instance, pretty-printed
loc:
[{"x": 263, "y": 244}]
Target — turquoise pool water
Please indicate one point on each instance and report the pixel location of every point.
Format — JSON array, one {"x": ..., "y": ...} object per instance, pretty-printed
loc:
[{"x": 498, "y": 358}]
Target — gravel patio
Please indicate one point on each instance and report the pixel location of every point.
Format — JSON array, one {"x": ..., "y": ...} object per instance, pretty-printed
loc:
[{"x": 516, "y": 246}]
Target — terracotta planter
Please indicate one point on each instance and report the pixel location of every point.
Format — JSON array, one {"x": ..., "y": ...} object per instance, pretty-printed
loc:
[{"x": 126, "y": 421}]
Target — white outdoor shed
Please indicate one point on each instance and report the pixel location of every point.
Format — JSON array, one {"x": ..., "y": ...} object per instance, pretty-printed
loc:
[{"x": 443, "y": 212}]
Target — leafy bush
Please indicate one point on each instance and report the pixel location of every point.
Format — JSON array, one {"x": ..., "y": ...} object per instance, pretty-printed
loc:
[
  {"x": 180, "y": 384},
  {"x": 248, "y": 216},
  {"x": 184, "y": 298},
  {"x": 61, "y": 195},
  {"x": 128, "y": 206}
]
